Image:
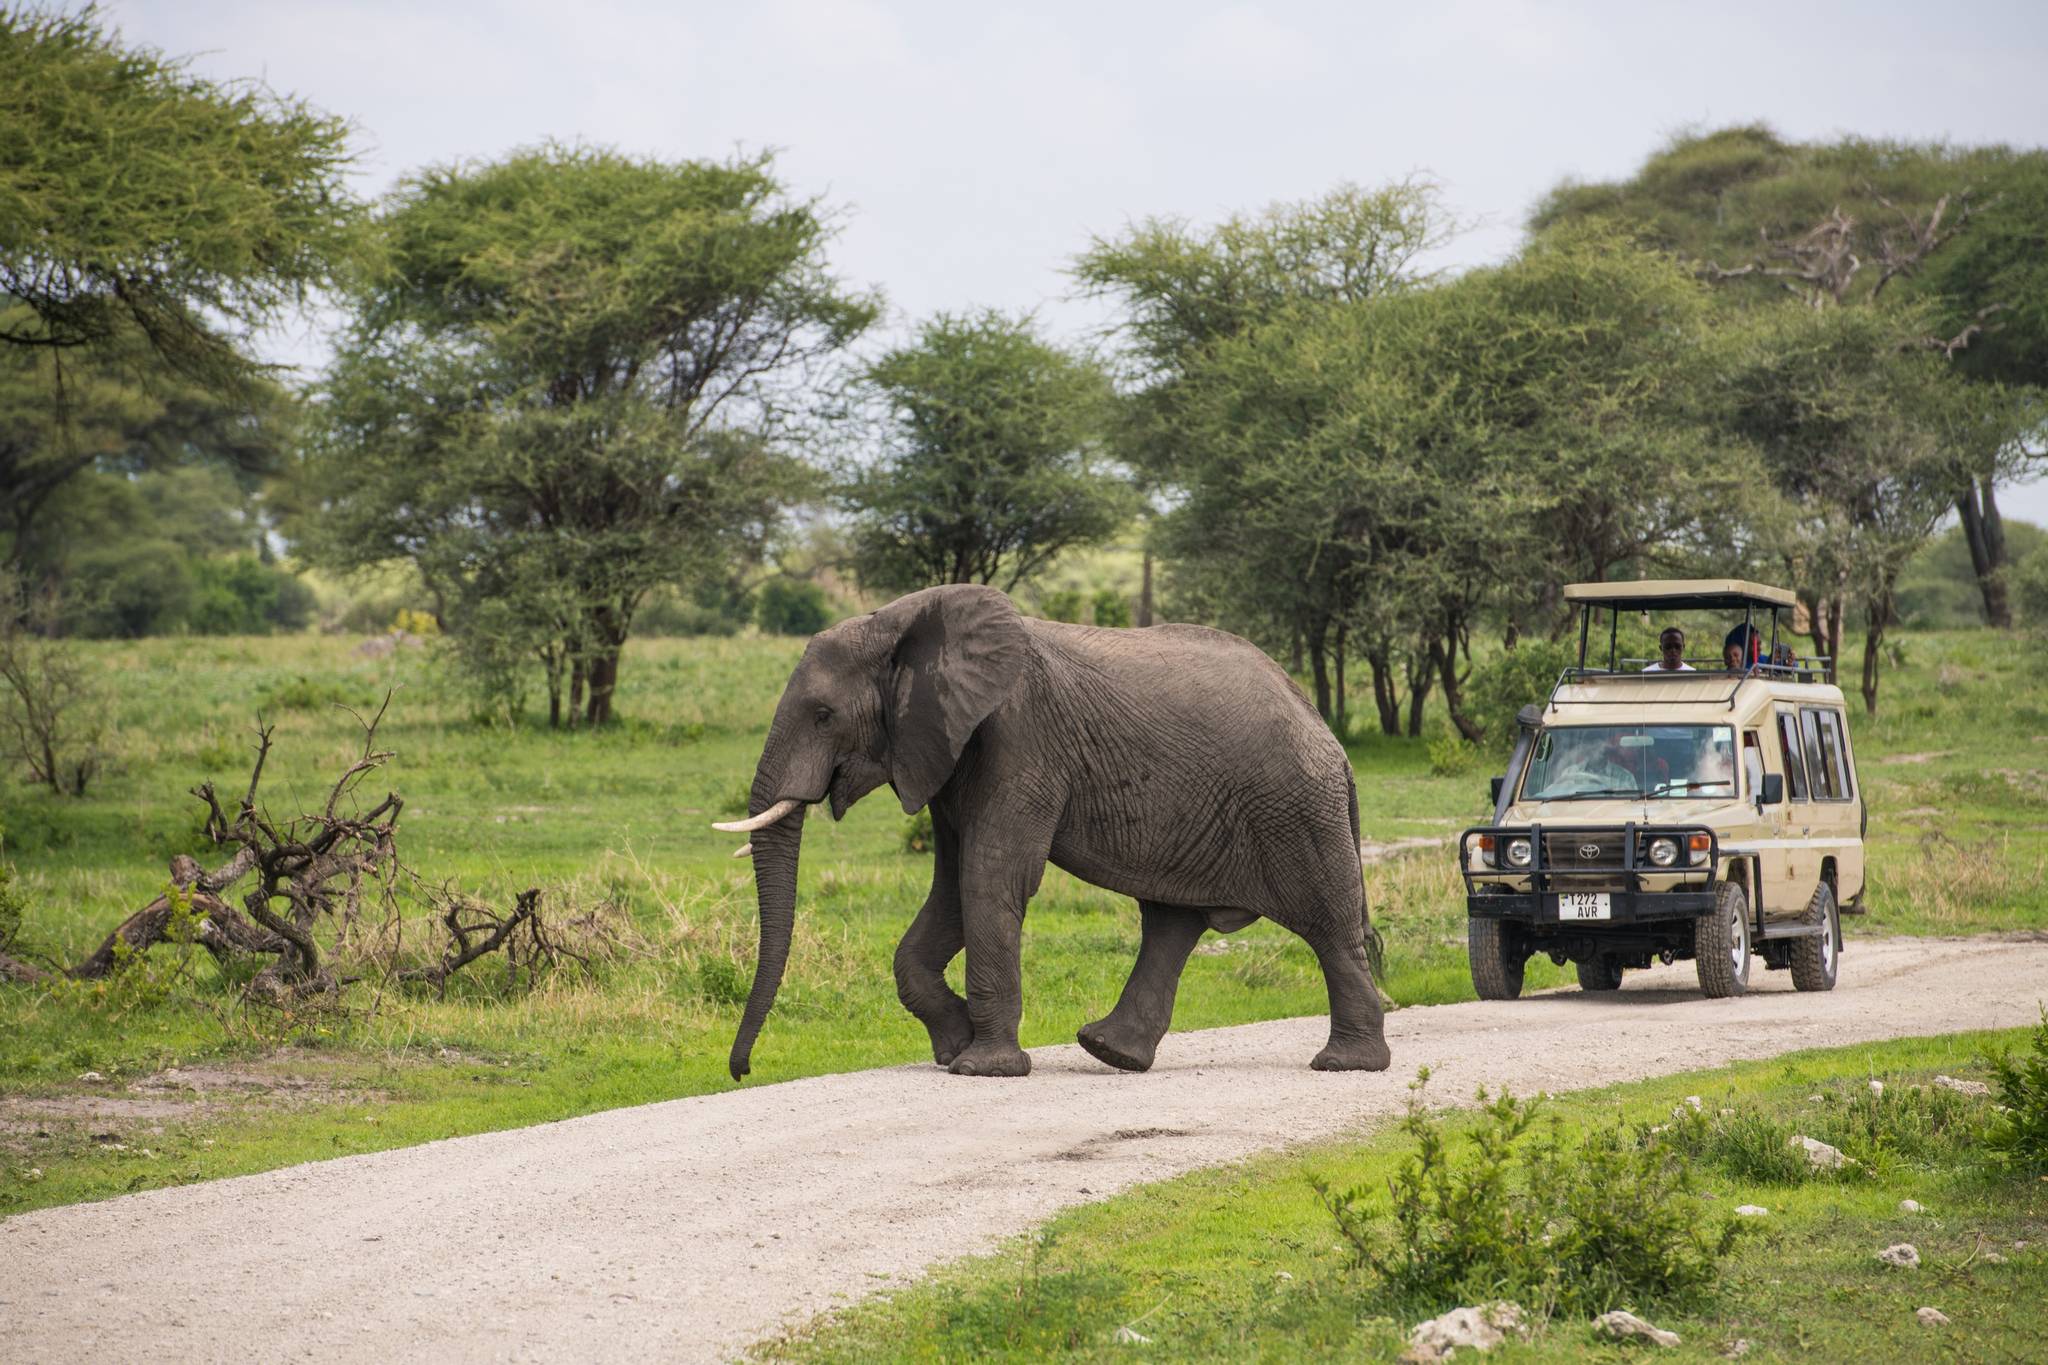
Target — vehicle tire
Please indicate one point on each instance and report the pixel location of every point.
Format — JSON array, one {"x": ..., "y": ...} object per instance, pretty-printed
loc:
[
  {"x": 1603, "y": 973},
  {"x": 1498, "y": 955},
  {"x": 1816, "y": 960},
  {"x": 1721, "y": 944}
]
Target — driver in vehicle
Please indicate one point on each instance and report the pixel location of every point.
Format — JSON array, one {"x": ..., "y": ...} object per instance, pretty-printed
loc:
[{"x": 1604, "y": 768}]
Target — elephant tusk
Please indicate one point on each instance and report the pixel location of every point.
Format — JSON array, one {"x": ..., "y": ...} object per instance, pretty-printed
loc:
[
  {"x": 743, "y": 851},
  {"x": 776, "y": 812}
]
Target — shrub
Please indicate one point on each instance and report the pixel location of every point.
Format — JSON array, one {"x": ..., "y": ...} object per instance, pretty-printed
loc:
[
  {"x": 2020, "y": 1134},
  {"x": 1578, "y": 1228},
  {"x": 1450, "y": 753},
  {"x": 10, "y": 908},
  {"x": 788, "y": 607},
  {"x": 135, "y": 588},
  {"x": 1064, "y": 605},
  {"x": 2029, "y": 586},
  {"x": 917, "y": 832},
  {"x": 1111, "y": 609},
  {"x": 1510, "y": 680}
]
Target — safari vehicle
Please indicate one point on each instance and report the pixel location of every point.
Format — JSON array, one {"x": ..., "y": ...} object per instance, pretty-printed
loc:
[{"x": 1711, "y": 814}]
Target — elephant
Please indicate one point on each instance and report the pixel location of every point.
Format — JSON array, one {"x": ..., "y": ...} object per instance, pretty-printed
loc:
[{"x": 1174, "y": 764}]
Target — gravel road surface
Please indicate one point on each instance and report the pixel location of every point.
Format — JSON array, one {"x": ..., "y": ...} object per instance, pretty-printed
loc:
[{"x": 690, "y": 1229}]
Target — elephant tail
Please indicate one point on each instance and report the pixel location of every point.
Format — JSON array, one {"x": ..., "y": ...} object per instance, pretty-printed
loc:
[{"x": 1375, "y": 950}]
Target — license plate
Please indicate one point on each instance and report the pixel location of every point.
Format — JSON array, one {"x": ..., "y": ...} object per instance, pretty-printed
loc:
[{"x": 1583, "y": 905}]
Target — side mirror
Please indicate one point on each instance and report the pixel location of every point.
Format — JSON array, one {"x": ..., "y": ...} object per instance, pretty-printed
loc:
[
  {"x": 1493, "y": 789},
  {"x": 1774, "y": 789}
]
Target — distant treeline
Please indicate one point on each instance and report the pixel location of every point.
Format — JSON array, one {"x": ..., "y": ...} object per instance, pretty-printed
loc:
[{"x": 580, "y": 395}]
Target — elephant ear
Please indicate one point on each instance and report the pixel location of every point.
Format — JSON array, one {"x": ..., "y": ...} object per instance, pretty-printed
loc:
[{"x": 953, "y": 654}]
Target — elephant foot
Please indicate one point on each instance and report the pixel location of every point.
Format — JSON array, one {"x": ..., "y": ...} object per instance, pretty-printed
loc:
[
  {"x": 992, "y": 1059},
  {"x": 952, "y": 1034},
  {"x": 1124, "y": 1049},
  {"x": 1354, "y": 1055}
]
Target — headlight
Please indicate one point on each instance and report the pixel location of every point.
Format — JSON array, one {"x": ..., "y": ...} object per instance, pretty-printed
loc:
[
  {"x": 1663, "y": 852},
  {"x": 1518, "y": 853}
]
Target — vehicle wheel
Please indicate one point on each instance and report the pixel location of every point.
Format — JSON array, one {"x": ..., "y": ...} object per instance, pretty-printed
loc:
[
  {"x": 1720, "y": 941},
  {"x": 1815, "y": 960},
  {"x": 1498, "y": 956},
  {"x": 1603, "y": 973}
]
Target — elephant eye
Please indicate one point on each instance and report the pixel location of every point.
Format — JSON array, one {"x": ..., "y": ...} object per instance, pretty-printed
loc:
[{"x": 824, "y": 715}]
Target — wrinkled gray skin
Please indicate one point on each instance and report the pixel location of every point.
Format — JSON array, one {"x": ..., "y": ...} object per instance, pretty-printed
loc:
[{"x": 1177, "y": 765}]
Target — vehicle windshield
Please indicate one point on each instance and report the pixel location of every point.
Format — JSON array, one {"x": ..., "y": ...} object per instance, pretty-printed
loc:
[{"x": 1649, "y": 762}]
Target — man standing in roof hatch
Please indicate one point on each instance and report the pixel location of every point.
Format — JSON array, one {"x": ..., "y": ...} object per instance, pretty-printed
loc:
[
  {"x": 1739, "y": 650},
  {"x": 1671, "y": 652}
]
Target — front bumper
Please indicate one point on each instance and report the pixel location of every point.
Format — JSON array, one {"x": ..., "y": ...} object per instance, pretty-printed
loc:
[
  {"x": 1625, "y": 907},
  {"x": 1637, "y": 891}
]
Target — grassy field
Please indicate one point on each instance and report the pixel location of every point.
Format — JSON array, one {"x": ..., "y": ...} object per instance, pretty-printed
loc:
[
  {"x": 1244, "y": 1263},
  {"x": 614, "y": 828}
]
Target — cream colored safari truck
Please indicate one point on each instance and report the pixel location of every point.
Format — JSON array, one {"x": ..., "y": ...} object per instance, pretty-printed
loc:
[{"x": 1711, "y": 813}]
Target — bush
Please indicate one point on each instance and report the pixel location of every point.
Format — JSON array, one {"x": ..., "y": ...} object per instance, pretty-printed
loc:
[
  {"x": 788, "y": 607},
  {"x": 1510, "y": 680},
  {"x": 917, "y": 832},
  {"x": 2028, "y": 583},
  {"x": 2020, "y": 1135},
  {"x": 1111, "y": 609},
  {"x": 1064, "y": 605},
  {"x": 1450, "y": 753},
  {"x": 134, "y": 589},
  {"x": 10, "y": 908},
  {"x": 1579, "y": 1229}
]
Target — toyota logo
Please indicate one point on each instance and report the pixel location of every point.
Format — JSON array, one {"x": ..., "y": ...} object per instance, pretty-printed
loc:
[{"x": 1589, "y": 850}]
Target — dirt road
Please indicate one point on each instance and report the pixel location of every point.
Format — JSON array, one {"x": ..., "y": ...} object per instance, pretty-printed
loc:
[{"x": 687, "y": 1230}]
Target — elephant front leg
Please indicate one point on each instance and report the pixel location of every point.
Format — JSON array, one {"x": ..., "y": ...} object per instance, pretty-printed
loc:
[
  {"x": 993, "y": 896},
  {"x": 1129, "y": 1037},
  {"x": 933, "y": 940}
]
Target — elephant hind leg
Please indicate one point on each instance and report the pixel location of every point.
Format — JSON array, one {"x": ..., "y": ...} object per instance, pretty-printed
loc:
[
  {"x": 1128, "y": 1038},
  {"x": 1358, "y": 1038}
]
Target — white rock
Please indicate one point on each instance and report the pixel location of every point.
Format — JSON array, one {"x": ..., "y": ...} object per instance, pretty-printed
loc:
[
  {"x": 1904, "y": 1255},
  {"x": 1695, "y": 1102},
  {"x": 1819, "y": 1155},
  {"x": 1816, "y": 1099},
  {"x": 1737, "y": 1349},
  {"x": 1126, "y": 1336},
  {"x": 1877, "y": 1087},
  {"x": 92, "y": 1076},
  {"x": 1751, "y": 1210},
  {"x": 1621, "y": 1325},
  {"x": 1909, "y": 1206},
  {"x": 1283, "y": 1275},
  {"x": 1931, "y": 1317},
  {"x": 1469, "y": 1329},
  {"x": 1962, "y": 1087},
  {"x": 1993, "y": 1258}
]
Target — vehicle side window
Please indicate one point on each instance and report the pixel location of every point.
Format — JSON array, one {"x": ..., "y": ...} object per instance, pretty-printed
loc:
[
  {"x": 1833, "y": 755},
  {"x": 1752, "y": 764},
  {"x": 1816, "y": 771},
  {"x": 1788, "y": 750}
]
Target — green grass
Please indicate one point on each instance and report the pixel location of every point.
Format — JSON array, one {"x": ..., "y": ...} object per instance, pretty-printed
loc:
[
  {"x": 1243, "y": 1263},
  {"x": 615, "y": 825}
]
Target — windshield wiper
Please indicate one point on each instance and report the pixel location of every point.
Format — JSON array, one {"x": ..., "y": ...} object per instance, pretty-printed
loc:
[
  {"x": 1591, "y": 795},
  {"x": 1692, "y": 786}
]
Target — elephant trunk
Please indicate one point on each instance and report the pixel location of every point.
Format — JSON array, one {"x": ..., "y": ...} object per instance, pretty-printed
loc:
[{"x": 775, "y": 851}]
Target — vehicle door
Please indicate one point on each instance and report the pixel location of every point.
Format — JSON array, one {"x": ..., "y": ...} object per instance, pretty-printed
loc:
[
  {"x": 1790, "y": 865},
  {"x": 1836, "y": 813}
]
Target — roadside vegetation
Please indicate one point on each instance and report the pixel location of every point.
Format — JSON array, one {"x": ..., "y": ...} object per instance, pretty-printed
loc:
[
  {"x": 613, "y": 827},
  {"x": 1619, "y": 1198}
]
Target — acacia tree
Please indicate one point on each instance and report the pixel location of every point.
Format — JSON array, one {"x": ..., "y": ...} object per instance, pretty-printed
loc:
[
  {"x": 1860, "y": 223},
  {"x": 1186, "y": 293},
  {"x": 991, "y": 458},
  {"x": 140, "y": 201},
  {"x": 562, "y": 388}
]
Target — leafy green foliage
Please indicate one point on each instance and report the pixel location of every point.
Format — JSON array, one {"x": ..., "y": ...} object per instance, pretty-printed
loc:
[
  {"x": 990, "y": 461},
  {"x": 1111, "y": 608},
  {"x": 917, "y": 832},
  {"x": 536, "y": 403},
  {"x": 1571, "y": 1227},
  {"x": 1062, "y": 605},
  {"x": 786, "y": 607},
  {"x": 1512, "y": 679},
  {"x": 139, "y": 200},
  {"x": 11, "y": 907},
  {"x": 2020, "y": 1133}
]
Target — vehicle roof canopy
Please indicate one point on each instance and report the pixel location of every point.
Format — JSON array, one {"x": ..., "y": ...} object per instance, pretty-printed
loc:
[{"x": 1680, "y": 594}]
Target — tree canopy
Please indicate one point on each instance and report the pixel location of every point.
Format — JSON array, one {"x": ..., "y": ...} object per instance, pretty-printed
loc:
[
  {"x": 990, "y": 460},
  {"x": 563, "y": 387}
]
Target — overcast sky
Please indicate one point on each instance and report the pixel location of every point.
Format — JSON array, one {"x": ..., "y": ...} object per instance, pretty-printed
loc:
[{"x": 976, "y": 147}]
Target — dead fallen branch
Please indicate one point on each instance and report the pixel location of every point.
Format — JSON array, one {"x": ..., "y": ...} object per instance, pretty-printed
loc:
[{"x": 476, "y": 930}]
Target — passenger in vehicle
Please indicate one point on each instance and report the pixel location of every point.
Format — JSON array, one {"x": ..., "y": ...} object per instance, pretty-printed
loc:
[
  {"x": 1752, "y": 764},
  {"x": 1671, "y": 653},
  {"x": 1605, "y": 768},
  {"x": 1739, "y": 650}
]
